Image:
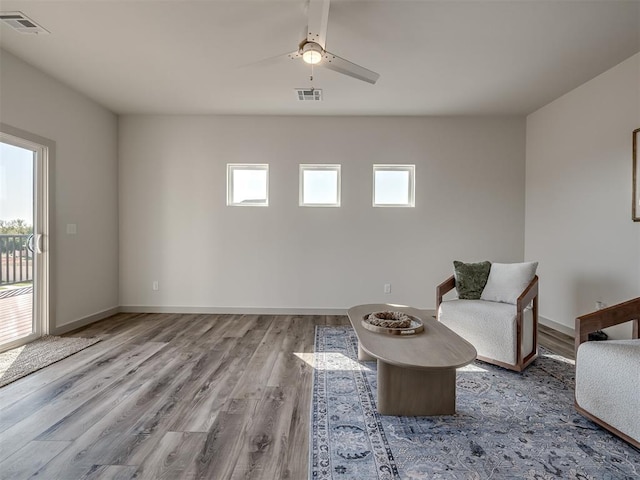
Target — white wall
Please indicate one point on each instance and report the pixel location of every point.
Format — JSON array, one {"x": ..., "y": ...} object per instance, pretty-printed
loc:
[
  {"x": 85, "y": 280},
  {"x": 578, "y": 202},
  {"x": 176, "y": 228}
]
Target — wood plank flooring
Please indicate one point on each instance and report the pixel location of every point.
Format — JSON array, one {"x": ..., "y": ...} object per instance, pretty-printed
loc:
[
  {"x": 556, "y": 341},
  {"x": 170, "y": 396}
]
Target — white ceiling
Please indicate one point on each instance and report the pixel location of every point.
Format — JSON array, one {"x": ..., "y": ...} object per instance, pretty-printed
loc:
[{"x": 434, "y": 57}]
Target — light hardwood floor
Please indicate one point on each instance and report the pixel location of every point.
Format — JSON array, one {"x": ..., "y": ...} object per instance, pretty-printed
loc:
[{"x": 169, "y": 396}]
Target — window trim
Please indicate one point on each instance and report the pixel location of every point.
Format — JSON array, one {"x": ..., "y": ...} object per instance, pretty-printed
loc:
[
  {"x": 412, "y": 184},
  {"x": 232, "y": 167},
  {"x": 328, "y": 167}
]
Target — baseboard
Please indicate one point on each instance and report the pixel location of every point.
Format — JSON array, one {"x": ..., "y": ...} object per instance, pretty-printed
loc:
[
  {"x": 83, "y": 322},
  {"x": 233, "y": 310},
  {"x": 556, "y": 326}
]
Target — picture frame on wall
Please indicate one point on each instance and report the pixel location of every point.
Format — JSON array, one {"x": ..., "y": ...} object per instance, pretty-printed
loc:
[{"x": 635, "y": 207}]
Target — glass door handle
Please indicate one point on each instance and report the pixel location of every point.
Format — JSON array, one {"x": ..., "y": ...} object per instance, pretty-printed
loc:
[
  {"x": 30, "y": 243},
  {"x": 39, "y": 242}
]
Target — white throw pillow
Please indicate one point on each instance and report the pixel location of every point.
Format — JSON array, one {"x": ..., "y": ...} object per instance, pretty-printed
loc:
[{"x": 507, "y": 281}]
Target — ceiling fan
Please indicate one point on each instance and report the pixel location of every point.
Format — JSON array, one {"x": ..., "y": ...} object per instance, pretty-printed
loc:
[{"x": 312, "y": 48}]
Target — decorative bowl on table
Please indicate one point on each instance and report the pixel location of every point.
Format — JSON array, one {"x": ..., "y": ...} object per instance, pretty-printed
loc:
[{"x": 392, "y": 323}]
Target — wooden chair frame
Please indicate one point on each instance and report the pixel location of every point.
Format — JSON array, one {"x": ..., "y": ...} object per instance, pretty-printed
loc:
[
  {"x": 530, "y": 294},
  {"x": 607, "y": 317}
]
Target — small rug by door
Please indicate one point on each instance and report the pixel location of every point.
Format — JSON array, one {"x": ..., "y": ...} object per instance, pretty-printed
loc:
[
  {"x": 44, "y": 351},
  {"x": 507, "y": 425}
]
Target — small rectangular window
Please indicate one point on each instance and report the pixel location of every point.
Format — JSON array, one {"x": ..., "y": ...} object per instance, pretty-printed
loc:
[
  {"x": 394, "y": 185},
  {"x": 319, "y": 185},
  {"x": 248, "y": 184}
]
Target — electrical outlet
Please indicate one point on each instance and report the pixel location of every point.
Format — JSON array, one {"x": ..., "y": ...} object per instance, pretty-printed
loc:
[
  {"x": 387, "y": 288},
  {"x": 155, "y": 285}
]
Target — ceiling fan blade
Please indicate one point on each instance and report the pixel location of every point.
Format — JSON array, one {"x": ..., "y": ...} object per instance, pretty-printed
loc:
[
  {"x": 335, "y": 63},
  {"x": 317, "y": 21},
  {"x": 271, "y": 60}
]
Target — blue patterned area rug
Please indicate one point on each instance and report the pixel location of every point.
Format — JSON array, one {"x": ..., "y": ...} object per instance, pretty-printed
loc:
[{"x": 507, "y": 425}]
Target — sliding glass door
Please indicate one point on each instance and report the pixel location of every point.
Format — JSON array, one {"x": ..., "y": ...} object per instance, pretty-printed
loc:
[{"x": 23, "y": 229}]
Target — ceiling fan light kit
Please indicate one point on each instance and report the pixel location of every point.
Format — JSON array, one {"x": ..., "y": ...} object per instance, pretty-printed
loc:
[{"x": 311, "y": 53}]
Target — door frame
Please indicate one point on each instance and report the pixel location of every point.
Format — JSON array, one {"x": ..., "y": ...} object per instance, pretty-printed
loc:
[{"x": 43, "y": 296}]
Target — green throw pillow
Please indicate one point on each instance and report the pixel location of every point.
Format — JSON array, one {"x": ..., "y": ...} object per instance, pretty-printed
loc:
[{"x": 471, "y": 279}]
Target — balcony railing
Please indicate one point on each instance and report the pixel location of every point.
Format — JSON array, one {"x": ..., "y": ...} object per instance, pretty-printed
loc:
[{"x": 16, "y": 259}]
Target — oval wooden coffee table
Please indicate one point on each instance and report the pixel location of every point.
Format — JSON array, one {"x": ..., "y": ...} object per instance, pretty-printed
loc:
[{"x": 416, "y": 373}]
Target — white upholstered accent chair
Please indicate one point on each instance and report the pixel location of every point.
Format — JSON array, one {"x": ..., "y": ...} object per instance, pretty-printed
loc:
[
  {"x": 504, "y": 334},
  {"x": 608, "y": 372}
]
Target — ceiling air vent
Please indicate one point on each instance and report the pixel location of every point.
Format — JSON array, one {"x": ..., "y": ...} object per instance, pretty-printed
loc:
[
  {"x": 306, "y": 94},
  {"x": 21, "y": 23}
]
